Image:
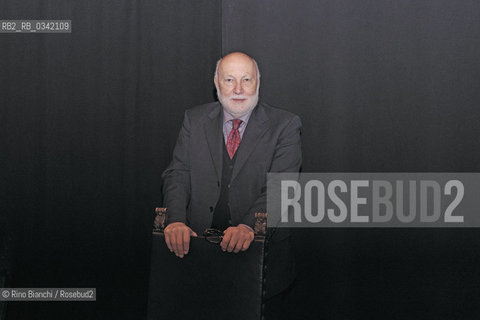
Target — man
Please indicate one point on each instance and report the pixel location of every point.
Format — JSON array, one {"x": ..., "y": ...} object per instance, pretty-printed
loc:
[{"x": 217, "y": 177}]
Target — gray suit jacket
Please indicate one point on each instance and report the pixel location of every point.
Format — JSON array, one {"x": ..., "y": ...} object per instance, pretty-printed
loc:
[{"x": 270, "y": 143}]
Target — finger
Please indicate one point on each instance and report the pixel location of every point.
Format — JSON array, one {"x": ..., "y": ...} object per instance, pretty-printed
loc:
[
  {"x": 247, "y": 244},
  {"x": 173, "y": 241},
  {"x": 186, "y": 241},
  {"x": 193, "y": 233},
  {"x": 179, "y": 240},
  {"x": 168, "y": 242},
  {"x": 233, "y": 241},
  {"x": 171, "y": 236},
  {"x": 226, "y": 239},
  {"x": 239, "y": 245}
]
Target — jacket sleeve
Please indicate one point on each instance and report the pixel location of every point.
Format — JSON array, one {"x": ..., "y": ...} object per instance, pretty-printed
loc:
[
  {"x": 176, "y": 178},
  {"x": 287, "y": 158}
]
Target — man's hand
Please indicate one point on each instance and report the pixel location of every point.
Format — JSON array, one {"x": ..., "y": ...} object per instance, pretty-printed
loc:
[
  {"x": 177, "y": 237},
  {"x": 236, "y": 239}
]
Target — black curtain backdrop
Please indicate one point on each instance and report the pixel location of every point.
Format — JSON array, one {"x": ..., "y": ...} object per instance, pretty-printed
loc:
[
  {"x": 88, "y": 121},
  {"x": 381, "y": 86}
]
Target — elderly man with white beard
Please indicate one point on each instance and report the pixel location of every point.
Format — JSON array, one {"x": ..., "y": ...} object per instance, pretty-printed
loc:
[{"x": 217, "y": 177}]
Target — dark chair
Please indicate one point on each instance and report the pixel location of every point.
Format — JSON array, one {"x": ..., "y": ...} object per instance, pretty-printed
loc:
[{"x": 207, "y": 283}]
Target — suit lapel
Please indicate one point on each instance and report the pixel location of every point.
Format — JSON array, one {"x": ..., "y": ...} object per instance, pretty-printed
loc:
[
  {"x": 214, "y": 133},
  {"x": 256, "y": 127}
]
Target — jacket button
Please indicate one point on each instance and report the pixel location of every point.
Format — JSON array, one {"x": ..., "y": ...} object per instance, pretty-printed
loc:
[
  {"x": 211, "y": 209},
  {"x": 228, "y": 186}
]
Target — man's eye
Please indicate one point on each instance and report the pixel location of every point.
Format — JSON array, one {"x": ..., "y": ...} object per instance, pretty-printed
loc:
[
  {"x": 228, "y": 80},
  {"x": 246, "y": 80}
]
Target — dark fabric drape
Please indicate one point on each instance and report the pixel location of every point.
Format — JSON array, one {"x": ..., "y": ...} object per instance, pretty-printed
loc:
[
  {"x": 381, "y": 86},
  {"x": 88, "y": 123}
]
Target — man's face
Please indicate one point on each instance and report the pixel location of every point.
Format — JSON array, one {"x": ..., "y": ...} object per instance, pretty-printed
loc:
[{"x": 237, "y": 84}]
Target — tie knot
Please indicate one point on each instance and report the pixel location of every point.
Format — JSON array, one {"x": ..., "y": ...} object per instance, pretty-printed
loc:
[{"x": 236, "y": 123}]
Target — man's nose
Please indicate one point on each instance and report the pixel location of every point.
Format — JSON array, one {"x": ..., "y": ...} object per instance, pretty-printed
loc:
[{"x": 238, "y": 89}]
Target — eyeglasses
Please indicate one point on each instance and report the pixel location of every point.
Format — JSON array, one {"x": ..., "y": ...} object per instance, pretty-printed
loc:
[{"x": 213, "y": 235}]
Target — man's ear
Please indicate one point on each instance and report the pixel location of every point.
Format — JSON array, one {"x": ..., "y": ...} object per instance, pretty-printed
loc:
[{"x": 215, "y": 81}]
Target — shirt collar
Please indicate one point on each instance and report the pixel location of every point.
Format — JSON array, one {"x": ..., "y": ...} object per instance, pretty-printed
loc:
[{"x": 227, "y": 117}]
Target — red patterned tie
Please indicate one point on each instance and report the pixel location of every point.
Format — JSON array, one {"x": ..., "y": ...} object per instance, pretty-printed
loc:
[{"x": 234, "y": 138}]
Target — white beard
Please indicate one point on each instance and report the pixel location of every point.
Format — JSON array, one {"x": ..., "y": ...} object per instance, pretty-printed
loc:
[{"x": 233, "y": 109}]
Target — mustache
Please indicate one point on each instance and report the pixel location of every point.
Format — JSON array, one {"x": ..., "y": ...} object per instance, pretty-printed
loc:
[{"x": 238, "y": 97}]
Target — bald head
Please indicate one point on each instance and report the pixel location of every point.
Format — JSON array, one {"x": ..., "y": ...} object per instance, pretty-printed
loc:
[
  {"x": 237, "y": 82},
  {"x": 237, "y": 57}
]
